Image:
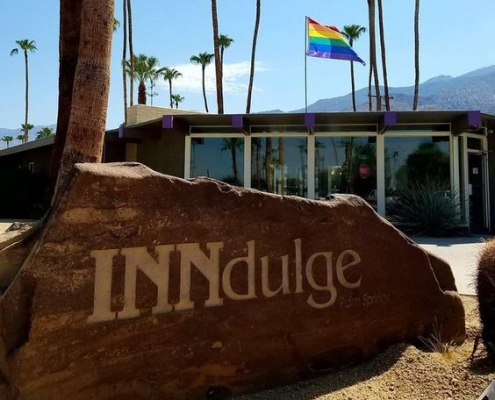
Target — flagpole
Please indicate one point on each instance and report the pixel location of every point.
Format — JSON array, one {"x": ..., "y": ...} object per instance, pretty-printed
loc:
[{"x": 306, "y": 64}]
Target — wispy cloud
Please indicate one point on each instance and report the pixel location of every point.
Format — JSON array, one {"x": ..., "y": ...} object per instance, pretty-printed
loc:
[{"x": 235, "y": 77}]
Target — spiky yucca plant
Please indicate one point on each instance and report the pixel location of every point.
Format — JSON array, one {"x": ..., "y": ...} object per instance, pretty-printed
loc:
[
  {"x": 485, "y": 288},
  {"x": 426, "y": 208}
]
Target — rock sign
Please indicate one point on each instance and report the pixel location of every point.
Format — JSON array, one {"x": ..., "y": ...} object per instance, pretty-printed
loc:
[{"x": 147, "y": 286}]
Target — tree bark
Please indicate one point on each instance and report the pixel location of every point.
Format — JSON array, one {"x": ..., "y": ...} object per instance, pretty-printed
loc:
[
  {"x": 86, "y": 129},
  {"x": 142, "y": 93},
  {"x": 131, "y": 53},
  {"x": 373, "y": 63},
  {"x": 416, "y": 56},
  {"x": 170, "y": 91},
  {"x": 26, "y": 130},
  {"x": 203, "y": 67},
  {"x": 384, "y": 56},
  {"x": 70, "y": 30},
  {"x": 124, "y": 57},
  {"x": 218, "y": 66},
  {"x": 253, "y": 56}
]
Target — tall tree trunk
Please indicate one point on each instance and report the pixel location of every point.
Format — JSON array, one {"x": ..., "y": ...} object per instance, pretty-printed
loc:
[
  {"x": 384, "y": 54},
  {"x": 131, "y": 52},
  {"x": 203, "y": 67},
  {"x": 26, "y": 130},
  {"x": 416, "y": 56},
  {"x": 253, "y": 56},
  {"x": 268, "y": 161},
  {"x": 370, "y": 79},
  {"x": 70, "y": 31},
  {"x": 86, "y": 130},
  {"x": 216, "y": 47},
  {"x": 124, "y": 57},
  {"x": 142, "y": 93},
  {"x": 353, "y": 88},
  {"x": 353, "y": 84},
  {"x": 371, "y": 14},
  {"x": 170, "y": 91},
  {"x": 234, "y": 164}
]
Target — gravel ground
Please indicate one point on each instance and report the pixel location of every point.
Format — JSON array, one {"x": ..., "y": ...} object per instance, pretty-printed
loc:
[{"x": 402, "y": 372}]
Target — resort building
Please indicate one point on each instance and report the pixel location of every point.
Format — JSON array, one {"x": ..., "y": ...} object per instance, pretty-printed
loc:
[{"x": 369, "y": 154}]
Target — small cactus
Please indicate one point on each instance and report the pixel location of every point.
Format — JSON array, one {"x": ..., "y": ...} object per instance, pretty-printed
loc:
[{"x": 485, "y": 287}]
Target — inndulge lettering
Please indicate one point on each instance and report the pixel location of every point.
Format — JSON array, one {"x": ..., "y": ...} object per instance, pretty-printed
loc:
[{"x": 219, "y": 281}]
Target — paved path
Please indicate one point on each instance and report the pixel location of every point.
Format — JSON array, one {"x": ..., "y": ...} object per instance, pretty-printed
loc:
[{"x": 462, "y": 255}]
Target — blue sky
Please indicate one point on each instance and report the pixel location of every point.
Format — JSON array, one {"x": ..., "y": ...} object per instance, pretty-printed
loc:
[{"x": 455, "y": 39}]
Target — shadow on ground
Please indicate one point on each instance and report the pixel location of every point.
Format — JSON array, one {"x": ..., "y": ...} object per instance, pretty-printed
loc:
[{"x": 313, "y": 388}]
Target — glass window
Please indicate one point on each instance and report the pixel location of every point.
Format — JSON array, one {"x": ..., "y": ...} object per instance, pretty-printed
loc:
[
  {"x": 412, "y": 160},
  {"x": 219, "y": 158},
  {"x": 473, "y": 143},
  {"x": 346, "y": 165},
  {"x": 279, "y": 165}
]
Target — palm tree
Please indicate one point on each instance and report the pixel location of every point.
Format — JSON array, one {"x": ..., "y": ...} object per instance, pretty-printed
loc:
[
  {"x": 233, "y": 144},
  {"x": 384, "y": 57},
  {"x": 416, "y": 56},
  {"x": 86, "y": 127},
  {"x": 203, "y": 59},
  {"x": 144, "y": 68},
  {"x": 170, "y": 74},
  {"x": 353, "y": 33},
  {"x": 20, "y": 138},
  {"x": 7, "y": 139},
  {"x": 26, "y": 128},
  {"x": 253, "y": 55},
  {"x": 131, "y": 51},
  {"x": 124, "y": 57},
  {"x": 225, "y": 43},
  {"x": 177, "y": 98},
  {"x": 373, "y": 64},
  {"x": 216, "y": 51},
  {"x": 44, "y": 133},
  {"x": 70, "y": 33},
  {"x": 25, "y": 45}
]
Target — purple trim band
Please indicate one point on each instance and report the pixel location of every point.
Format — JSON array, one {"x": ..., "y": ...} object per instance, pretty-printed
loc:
[
  {"x": 237, "y": 121},
  {"x": 474, "y": 118},
  {"x": 309, "y": 120},
  {"x": 168, "y": 122}
]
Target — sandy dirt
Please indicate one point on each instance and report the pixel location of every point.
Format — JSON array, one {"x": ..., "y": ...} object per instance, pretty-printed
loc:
[{"x": 402, "y": 372}]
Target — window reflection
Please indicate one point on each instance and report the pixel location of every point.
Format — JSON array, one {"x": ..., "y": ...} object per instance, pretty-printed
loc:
[
  {"x": 415, "y": 160},
  {"x": 279, "y": 165},
  {"x": 218, "y": 158},
  {"x": 346, "y": 165}
]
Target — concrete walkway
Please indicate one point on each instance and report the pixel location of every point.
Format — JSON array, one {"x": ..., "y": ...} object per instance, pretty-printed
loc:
[{"x": 462, "y": 255}]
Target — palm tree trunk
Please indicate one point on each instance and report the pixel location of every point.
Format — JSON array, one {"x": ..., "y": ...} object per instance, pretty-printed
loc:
[
  {"x": 26, "y": 130},
  {"x": 203, "y": 67},
  {"x": 371, "y": 15},
  {"x": 370, "y": 79},
  {"x": 131, "y": 52},
  {"x": 88, "y": 111},
  {"x": 170, "y": 91},
  {"x": 253, "y": 56},
  {"x": 234, "y": 164},
  {"x": 216, "y": 47},
  {"x": 124, "y": 56},
  {"x": 142, "y": 93},
  {"x": 384, "y": 56},
  {"x": 353, "y": 84},
  {"x": 70, "y": 30},
  {"x": 416, "y": 56}
]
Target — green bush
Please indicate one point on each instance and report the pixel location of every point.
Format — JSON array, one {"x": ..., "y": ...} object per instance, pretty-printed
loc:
[{"x": 428, "y": 208}]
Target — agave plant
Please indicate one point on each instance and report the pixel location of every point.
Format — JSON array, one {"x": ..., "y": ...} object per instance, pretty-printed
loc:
[{"x": 428, "y": 208}]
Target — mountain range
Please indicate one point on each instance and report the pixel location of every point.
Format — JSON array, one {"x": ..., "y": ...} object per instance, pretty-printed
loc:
[
  {"x": 472, "y": 91},
  {"x": 16, "y": 132}
]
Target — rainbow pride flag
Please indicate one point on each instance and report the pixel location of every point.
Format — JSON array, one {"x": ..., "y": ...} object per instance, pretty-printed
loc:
[{"x": 327, "y": 42}]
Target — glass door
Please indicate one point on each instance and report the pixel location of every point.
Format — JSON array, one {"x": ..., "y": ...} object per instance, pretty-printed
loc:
[{"x": 476, "y": 190}]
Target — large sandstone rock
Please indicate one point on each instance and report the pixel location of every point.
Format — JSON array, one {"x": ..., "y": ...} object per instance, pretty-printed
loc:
[{"x": 144, "y": 286}]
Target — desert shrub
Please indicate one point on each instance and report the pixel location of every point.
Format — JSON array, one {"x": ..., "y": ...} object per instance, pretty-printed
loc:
[
  {"x": 426, "y": 208},
  {"x": 485, "y": 288}
]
